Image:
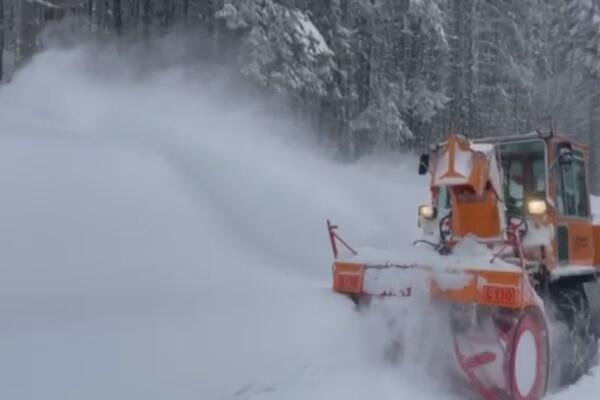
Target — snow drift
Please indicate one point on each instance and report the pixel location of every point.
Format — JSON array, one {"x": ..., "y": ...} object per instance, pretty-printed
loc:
[{"x": 163, "y": 238}]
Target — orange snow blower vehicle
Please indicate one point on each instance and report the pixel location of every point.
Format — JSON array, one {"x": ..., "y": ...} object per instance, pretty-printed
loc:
[{"x": 525, "y": 201}]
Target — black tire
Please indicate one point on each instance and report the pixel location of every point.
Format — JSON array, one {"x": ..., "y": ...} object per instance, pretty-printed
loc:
[
  {"x": 577, "y": 349},
  {"x": 593, "y": 295}
]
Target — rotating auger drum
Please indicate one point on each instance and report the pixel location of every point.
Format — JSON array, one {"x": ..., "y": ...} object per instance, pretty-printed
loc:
[{"x": 503, "y": 353}]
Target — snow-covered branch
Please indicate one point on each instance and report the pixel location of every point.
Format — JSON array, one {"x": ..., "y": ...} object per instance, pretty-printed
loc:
[{"x": 55, "y": 5}]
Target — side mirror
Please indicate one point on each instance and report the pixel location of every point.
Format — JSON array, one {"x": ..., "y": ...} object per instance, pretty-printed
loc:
[
  {"x": 564, "y": 153},
  {"x": 424, "y": 164}
]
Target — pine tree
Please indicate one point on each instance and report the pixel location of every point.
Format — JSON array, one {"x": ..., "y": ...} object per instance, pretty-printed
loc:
[
  {"x": 284, "y": 51},
  {"x": 583, "y": 26},
  {"x": 374, "y": 73}
]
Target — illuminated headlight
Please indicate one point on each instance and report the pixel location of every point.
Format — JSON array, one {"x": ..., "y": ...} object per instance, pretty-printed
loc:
[
  {"x": 536, "y": 207},
  {"x": 427, "y": 212}
]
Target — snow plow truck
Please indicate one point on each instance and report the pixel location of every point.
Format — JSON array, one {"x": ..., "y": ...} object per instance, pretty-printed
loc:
[{"x": 525, "y": 200}]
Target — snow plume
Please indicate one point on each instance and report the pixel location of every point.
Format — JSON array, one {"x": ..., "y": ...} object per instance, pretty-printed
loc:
[
  {"x": 163, "y": 237},
  {"x": 414, "y": 333}
]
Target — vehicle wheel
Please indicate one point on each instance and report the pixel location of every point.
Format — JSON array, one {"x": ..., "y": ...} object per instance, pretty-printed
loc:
[
  {"x": 593, "y": 297},
  {"x": 579, "y": 347},
  {"x": 528, "y": 364}
]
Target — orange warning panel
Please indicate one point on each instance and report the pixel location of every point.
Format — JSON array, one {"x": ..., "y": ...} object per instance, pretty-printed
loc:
[
  {"x": 488, "y": 287},
  {"x": 348, "y": 277},
  {"x": 505, "y": 296}
]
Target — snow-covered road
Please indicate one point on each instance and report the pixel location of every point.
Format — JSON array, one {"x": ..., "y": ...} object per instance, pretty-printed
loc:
[{"x": 163, "y": 238}]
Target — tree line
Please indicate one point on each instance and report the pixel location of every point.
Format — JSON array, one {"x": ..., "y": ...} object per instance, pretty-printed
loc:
[{"x": 369, "y": 74}]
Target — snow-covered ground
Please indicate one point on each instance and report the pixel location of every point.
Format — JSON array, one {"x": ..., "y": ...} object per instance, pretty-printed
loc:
[{"x": 164, "y": 238}]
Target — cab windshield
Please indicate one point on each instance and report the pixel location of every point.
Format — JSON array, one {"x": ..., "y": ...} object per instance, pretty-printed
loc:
[{"x": 524, "y": 168}]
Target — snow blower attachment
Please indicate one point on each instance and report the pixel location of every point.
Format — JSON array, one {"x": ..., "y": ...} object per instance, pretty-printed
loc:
[{"x": 525, "y": 200}]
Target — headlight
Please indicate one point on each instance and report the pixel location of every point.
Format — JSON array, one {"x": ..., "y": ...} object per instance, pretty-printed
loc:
[
  {"x": 536, "y": 207},
  {"x": 427, "y": 212}
]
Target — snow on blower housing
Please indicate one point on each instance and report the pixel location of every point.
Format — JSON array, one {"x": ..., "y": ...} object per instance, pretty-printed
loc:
[{"x": 525, "y": 201}]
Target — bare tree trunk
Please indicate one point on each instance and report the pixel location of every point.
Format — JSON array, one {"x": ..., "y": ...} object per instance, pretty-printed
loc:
[
  {"x": 99, "y": 15},
  {"x": 90, "y": 12},
  {"x": 146, "y": 17},
  {"x": 117, "y": 17},
  {"x": 186, "y": 10},
  {"x": 208, "y": 15},
  {"x": 28, "y": 31},
  {"x": 1, "y": 40}
]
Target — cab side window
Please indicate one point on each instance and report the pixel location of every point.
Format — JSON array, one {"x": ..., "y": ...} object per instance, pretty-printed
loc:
[
  {"x": 514, "y": 181},
  {"x": 582, "y": 205},
  {"x": 571, "y": 188}
]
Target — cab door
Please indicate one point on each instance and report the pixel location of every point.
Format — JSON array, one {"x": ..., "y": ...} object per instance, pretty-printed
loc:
[{"x": 574, "y": 240}]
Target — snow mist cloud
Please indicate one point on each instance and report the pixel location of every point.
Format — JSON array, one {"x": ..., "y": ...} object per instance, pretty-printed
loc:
[{"x": 163, "y": 237}]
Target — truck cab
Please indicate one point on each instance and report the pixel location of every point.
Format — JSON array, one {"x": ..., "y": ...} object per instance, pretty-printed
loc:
[{"x": 546, "y": 181}]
